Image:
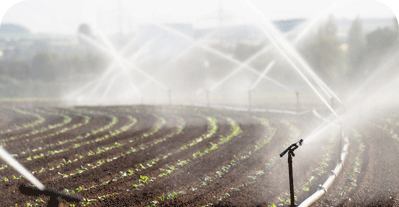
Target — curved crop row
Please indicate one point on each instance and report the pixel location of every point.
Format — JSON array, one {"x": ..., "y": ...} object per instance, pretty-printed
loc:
[
  {"x": 351, "y": 182},
  {"x": 98, "y": 163},
  {"x": 114, "y": 120},
  {"x": 387, "y": 128},
  {"x": 317, "y": 172},
  {"x": 80, "y": 156},
  {"x": 234, "y": 162},
  {"x": 100, "y": 150},
  {"x": 295, "y": 133},
  {"x": 67, "y": 119},
  {"x": 212, "y": 128},
  {"x": 39, "y": 120},
  {"x": 86, "y": 121}
]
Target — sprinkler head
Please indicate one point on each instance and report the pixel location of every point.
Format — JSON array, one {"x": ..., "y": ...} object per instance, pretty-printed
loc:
[
  {"x": 292, "y": 148},
  {"x": 300, "y": 142},
  {"x": 32, "y": 191}
]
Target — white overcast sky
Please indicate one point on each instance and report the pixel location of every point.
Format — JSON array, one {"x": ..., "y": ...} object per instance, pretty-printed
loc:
[{"x": 64, "y": 16}]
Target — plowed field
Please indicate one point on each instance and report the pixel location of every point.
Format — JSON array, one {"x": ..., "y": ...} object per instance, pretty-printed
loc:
[{"x": 191, "y": 156}]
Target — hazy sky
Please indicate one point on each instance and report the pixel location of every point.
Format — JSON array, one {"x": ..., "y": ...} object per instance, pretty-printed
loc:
[{"x": 64, "y": 16}]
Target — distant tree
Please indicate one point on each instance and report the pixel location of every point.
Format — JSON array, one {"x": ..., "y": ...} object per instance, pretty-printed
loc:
[
  {"x": 13, "y": 29},
  {"x": 331, "y": 28},
  {"x": 19, "y": 69},
  {"x": 356, "y": 45},
  {"x": 44, "y": 66},
  {"x": 323, "y": 52},
  {"x": 396, "y": 29},
  {"x": 85, "y": 29},
  {"x": 380, "y": 40},
  {"x": 245, "y": 50}
]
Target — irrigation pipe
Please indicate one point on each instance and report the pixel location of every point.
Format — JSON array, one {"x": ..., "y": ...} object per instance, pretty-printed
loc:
[
  {"x": 280, "y": 111},
  {"x": 334, "y": 173}
]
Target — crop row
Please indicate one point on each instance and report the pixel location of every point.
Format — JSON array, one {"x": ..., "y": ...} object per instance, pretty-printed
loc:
[
  {"x": 294, "y": 135},
  {"x": 100, "y": 150},
  {"x": 80, "y": 156},
  {"x": 145, "y": 180},
  {"x": 98, "y": 163},
  {"x": 39, "y": 120},
  {"x": 67, "y": 119},
  {"x": 320, "y": 170},
  {"x": 234, "y": 162},
  {"x": 32, "y": 124},
  {"x": 351, "y": 182},
  {"x": 387, "y": 127},
  {"x": 114, "y": 120},
  {"x": 87, "y": 119}
]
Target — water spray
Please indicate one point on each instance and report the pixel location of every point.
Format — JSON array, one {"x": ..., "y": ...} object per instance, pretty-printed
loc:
[
  {"x": 41, "y": 189},
  {"x": 291, "y": 154},
  {"x": 289, "y": 53},
  {"x": 21, "y": 169},
  {"x": 263, "y": 74},
  {"x": 119, "y": 60},
  {"x": 225, "y": 56}
]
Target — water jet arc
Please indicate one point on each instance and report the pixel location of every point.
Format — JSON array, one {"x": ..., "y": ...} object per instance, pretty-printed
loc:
[{"x": 20, "y": 168}]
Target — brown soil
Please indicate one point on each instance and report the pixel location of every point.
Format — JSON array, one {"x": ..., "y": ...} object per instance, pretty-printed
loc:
[{"x": 235, "y": 173}]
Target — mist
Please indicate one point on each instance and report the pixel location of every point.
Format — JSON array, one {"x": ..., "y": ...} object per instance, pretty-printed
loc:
[{"x": 319, "y": 77}]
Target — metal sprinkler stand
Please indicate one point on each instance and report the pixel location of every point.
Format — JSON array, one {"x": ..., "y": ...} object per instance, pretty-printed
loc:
[
  {"x": 207, "y": 98},
  {"x": 297, "y": 100},
  {"x": 291, "y": 154},
  {"x": 53, "y": 195},
  {"x": 249, "y": 100},
  {"x": 170, "y": 96}
]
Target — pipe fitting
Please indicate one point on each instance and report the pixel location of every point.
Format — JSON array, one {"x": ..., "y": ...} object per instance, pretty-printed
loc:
[
  {"x": 333, "y": 173},
  {"x": 322, "y": 188}
]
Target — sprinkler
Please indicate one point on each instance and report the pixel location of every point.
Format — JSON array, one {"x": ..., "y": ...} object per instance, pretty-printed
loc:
[
  {"x": 291, "y": 154},
  {"x": 41, "y": 189},
  {"x": 170, "y": 96},
  {"x": 207, "y": 98},
  {"x": 53, "y": 195},
  {"x": 297, "y": 100}
]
